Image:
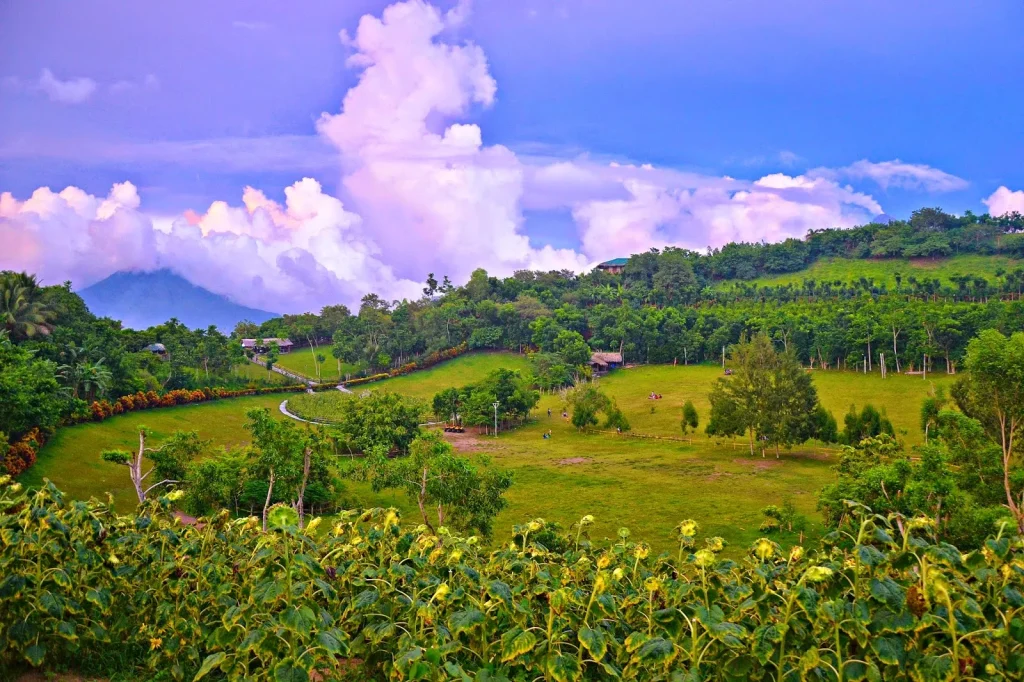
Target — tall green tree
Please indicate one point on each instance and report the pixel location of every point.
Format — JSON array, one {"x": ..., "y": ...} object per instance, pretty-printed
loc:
[
  {"x": 29, "y": 393},
  {"x": 769, "y": 393},
  {"x": 689, "y": 421},
  {"x": 448, "y": 489},
  {"x": 993, "y": 393}
]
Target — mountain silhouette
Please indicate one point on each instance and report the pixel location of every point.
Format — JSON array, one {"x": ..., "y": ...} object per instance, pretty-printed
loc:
[{"x": 144, "y": 299}]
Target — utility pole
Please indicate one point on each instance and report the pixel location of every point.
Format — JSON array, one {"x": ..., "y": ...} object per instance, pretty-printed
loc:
[
  {"x": 723, "y": 357},
  {"x": 496, "y": 403}
]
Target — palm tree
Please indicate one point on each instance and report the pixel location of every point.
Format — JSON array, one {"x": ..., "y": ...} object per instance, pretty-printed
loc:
[
  {"x": 88, "y": 379},
  {"x": 22, "y": 313},
  {"x": 95, "y": 380}
]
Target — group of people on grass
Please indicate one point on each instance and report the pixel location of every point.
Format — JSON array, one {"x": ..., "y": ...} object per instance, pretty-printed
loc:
[{"x": 654, "y": 396}]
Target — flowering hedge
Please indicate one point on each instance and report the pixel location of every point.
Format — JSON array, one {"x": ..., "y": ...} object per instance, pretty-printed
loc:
[
  {"x": 103, "y": 409},
  {"x": 387, "y": 601},
  {"x": 423, "y": 363},
  {"x": 22, "y": 453}
]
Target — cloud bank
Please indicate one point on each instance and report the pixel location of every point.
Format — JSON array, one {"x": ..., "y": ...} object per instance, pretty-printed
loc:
[
  {"x": 1003, "y": 201},
  {"x": 421, "y": 192}
]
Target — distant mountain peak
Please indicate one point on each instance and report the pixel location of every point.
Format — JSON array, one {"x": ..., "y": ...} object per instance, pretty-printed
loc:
[
  {"x": 144, "y": 299},
  {"x": 883, "y": 219}
]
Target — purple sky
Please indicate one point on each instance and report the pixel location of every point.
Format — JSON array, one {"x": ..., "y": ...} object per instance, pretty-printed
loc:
[{"x": 503, "y": 135}]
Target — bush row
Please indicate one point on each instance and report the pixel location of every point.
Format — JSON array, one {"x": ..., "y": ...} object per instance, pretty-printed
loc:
[
  {"x": 21, "y": 454},
  {"x": 394, "y": 602},
  {"x": 423, "y": 363},
  {"x": 100, "y": 410}
]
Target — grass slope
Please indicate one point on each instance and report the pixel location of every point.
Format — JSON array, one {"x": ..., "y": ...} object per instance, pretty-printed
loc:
[
  {"x": 300, "y": 361},
  {"x": 71, "y": 459},
  {"x": 460, "y": 371},
  {"x": 249, "y": 370},
  {"x": 848, "y": 270},
  {"x": 647, "y": 485}
]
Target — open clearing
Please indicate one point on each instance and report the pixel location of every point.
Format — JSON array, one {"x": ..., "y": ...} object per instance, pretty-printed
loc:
[
  {"x": 645, "y": 484},
  {"x": 300, "y": 361}
]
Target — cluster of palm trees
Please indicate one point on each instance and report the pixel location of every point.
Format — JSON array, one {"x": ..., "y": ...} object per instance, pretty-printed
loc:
[
  {"x": 83, "y": 373},
  {"x": 25, "y": 314}
]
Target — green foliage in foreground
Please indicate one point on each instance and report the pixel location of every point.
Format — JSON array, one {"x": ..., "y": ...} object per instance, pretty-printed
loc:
[{"x": 227, "y": 601}]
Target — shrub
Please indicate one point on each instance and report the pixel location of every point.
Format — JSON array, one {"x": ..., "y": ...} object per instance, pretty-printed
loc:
[
  {"x": 400, "y": 603},
  {"x": 21, "y": 454}
]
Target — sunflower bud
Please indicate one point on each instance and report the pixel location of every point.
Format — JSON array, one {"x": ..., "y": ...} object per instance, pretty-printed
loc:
[
  {"x": 688, "y": 528},
  {"x": 704, "y": 558},
  {"x": 441, "y": 592},
  {"x": 763, "y": 549},
  {"x": 715, "y": 544},
  {"x": 816, "y": 574}
]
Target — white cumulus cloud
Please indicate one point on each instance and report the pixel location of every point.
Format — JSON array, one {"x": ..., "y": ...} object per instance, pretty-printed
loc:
[
  {"x": 699, "y": 212},
  {"x": 1003, "y": 201},
  {"x": 421, "y": 192},
  {"x": 302, "y": 255},
  {"x": 74, "y": 235},
  {"x": 431, "y": 193},
  {"x": 71, "y": 91}
]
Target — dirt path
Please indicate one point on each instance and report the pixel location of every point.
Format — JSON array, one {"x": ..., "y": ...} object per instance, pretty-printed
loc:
[{"x": 469, "y": 442}]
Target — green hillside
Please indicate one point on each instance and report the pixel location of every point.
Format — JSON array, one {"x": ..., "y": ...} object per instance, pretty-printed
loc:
[
  {"x": 884, "y": 271},
  {"x": 460, "y": 371},
  {"x": 301, "y": 361}
]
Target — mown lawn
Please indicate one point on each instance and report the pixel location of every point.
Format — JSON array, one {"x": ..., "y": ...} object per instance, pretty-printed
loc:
[
  {"x": 899, "y": 395},
  {"x": 884, "y": 271},
  {"x": 647, "y": 485},
  {"x": 460, "y": 371},
  {"x": 250, "y": 371},
  {"x": 301, "y": 362},
  {"x": 71, "y": 459}
]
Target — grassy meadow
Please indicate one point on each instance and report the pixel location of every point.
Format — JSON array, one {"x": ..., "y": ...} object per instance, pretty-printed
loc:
[
  {"x": 884, "y": 271},
  {"x": 645, "y": 484},
  {"x": 250, "y": 371},
  {"x": 458, "y": 372},
  {"x": 71, "y": 459},
  {"x": 300, "y": 361}
]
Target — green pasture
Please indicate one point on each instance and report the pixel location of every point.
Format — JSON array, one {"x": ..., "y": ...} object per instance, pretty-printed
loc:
[
  {"x": 645, "y": 484},
  {"x": 71, "y": 459},
  {"x": 461, "y": 371},
  {"x": 300, "y": 361},
  {"x": 884, "y": 271},
  {"x": 250, "y": 371}
]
